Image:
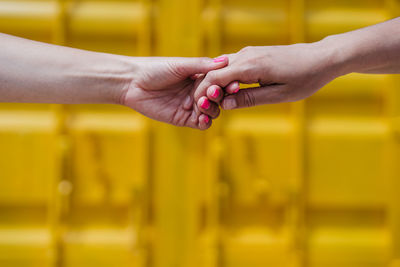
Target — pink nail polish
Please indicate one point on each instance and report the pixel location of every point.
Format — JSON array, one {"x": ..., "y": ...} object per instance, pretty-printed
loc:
[
  {"x": 219, "y": 59},
  {"x": 237, "y": 86},
  {"x": 205, "y": 104},
  {"x": 215, "y": 94},
  {"x": 206, "y": 119}
]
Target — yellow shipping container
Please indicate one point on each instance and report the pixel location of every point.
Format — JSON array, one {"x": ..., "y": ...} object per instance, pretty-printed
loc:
[{"x": 307, "y": 184}]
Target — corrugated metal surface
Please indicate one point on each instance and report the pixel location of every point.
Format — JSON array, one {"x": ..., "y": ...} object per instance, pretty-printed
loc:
[{"x": 310, "y": 184}]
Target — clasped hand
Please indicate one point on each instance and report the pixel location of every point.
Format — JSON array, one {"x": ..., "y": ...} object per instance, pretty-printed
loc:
[{"x": 189, "y": 91}]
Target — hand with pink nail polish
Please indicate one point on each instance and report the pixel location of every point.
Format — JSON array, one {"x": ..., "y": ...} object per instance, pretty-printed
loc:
[
  {"x": 284, "y": 73},
  {"x": 294, "y": 72},
  {"x": 163, "y": 88},
  {"x": 159, "y": 88}
]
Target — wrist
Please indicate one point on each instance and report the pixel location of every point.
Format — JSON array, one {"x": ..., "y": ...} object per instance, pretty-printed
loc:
[
  {"x": 122, "y": 75},
  {"x": 337, "y": 61},
  {"x": 95, "y": 78}
]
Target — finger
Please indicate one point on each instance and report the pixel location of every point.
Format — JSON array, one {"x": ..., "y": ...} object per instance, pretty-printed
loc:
[
  {"x": 250, "y": 97},
  {"x": 221, "y": 77},
  {"x": 214, "y": 93},
  {"x": 207, "y": 107},
  {"x": 188, "y": 103},
  {"x": 196, "y": 76},
  {"x": 193, "y": 120},
  {"x": 193, "y": 66},
  {"x": 232, "y": 88},
  {"x": 204, "y": 122}
]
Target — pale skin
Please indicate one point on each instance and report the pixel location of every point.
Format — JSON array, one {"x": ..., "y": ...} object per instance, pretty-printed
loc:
[
  {"x": 176, "y": 90},
  {"x": 295, "y": 72},
  {"x": 159, "y": 88}
]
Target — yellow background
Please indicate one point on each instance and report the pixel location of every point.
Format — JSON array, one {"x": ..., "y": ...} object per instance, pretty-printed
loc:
[{"x": 308, "y": 184}]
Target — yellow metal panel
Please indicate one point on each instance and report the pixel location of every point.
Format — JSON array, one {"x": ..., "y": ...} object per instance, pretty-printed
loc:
[
  {"x": 24, "y": 247},
  {"x": 257, "y": 174},
  {"x": 256, "y": 227},
  {"x": 26, "y": 185},
  {"x": 31, "y": 19},
  {"x": 310, "y": 184},
  {"x": 348, "y": 247},
  {"x": 109, "y": 157},
  {"x": 111, "y": 26},
  {"x": 253, "y": 23},
  {"x": 332, "y": 17},
  {"x": 257, "y": 247},
  {"x": 338, "y": 175},
  {"x": 24, "y": 134},
  {"x": 109, "y": 190}
]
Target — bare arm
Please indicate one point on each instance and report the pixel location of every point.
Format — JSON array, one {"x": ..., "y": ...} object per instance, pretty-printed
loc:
[
  {"x": 36, "y": 72},
  {"x": 159, "y": 88},
  {"x": 374, "y": 49},
  {"x": 294, "y": 72}
]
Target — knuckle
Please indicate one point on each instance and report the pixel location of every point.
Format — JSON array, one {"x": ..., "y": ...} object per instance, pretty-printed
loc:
[
  {"x": 198, "y": 94},
  {"x": 200, "y": 90},
  {"x": 211, "y": 76}
]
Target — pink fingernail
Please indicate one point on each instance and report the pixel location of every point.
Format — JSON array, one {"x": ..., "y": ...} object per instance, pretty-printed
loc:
[
  {"x": 215, "y": 94},
  {"x": 237, "y": 88},
  {"x": 219, "y": 59},
  {"x": 205, "y": 104},
  {"x": 206, "y": 119}
]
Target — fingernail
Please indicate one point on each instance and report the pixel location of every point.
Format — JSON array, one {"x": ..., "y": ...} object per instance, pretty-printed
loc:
[
  {"x": 206, "y": 119},
  {"x": 229, "y": 103},
  {"x": 205, "y": 104},
  {"x": 215, "y": 94},
  {"x": 237, "y": 88},
  {"x": 219, "y": 59}
]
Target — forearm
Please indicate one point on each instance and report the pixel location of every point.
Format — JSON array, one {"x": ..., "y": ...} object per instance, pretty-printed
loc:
[
  {"x": 374, "y": 49},
  {"x": 33, "y": 72}
]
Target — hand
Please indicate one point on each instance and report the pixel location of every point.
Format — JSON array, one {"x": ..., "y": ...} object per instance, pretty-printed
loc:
[
  {"x": 163, "y": 89},
  {"x": 285, "y": 74}
]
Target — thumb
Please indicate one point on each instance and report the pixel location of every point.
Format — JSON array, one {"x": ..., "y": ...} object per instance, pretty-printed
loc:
[
  {"x": 192, "y": 66},
  {"x": 270, "y": 94}
]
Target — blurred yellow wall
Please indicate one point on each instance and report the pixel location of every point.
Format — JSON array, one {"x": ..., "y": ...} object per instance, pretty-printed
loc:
[{"x": 307, "y": 184}]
